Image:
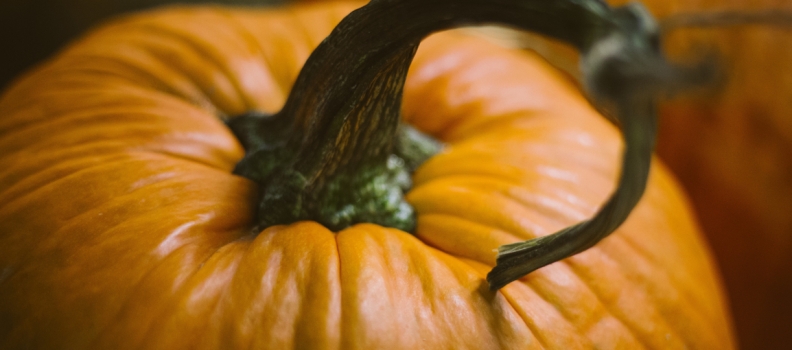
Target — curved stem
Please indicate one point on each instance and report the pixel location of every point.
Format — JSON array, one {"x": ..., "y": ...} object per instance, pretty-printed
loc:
[{"x": 342, "y": 116}]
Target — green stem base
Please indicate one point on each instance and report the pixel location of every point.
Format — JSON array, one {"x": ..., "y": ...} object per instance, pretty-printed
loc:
[{"x": 371, "y": 191}]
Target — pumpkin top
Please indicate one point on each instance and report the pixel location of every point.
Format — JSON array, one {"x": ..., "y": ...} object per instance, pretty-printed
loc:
[{"x": 125, "y": 228}]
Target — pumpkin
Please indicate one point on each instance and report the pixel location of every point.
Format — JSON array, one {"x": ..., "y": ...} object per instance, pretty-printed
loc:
[{"x": 124, "y": 224}]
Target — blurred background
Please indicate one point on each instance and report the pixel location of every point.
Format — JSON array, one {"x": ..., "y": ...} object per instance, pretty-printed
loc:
[{"x": 731, "y": 146}]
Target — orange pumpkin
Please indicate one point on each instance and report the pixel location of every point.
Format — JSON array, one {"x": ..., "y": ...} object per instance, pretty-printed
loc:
[{"x": 123, "y": 225}]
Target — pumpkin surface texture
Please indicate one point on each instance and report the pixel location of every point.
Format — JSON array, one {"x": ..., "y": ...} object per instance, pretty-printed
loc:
[{"x": 122, "y": 225}]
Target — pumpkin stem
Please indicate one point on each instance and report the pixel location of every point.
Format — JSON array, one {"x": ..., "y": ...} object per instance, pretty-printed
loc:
[
  {"x": 337, "y": 154},
  {"x": 624, "y": 73}
]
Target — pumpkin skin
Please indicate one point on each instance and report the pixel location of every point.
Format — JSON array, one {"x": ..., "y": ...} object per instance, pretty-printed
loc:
[{"x": 124, "y": 227}]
